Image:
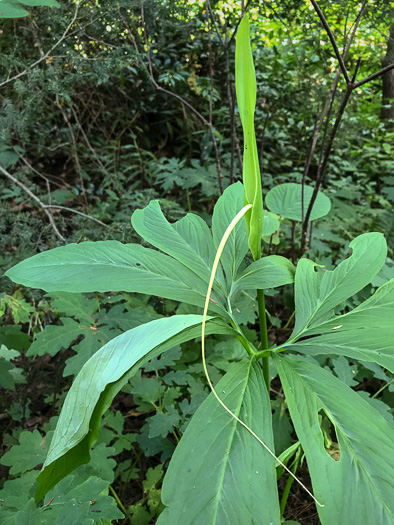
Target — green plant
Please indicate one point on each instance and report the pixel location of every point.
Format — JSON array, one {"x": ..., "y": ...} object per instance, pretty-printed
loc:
[
  {"x": 14, "y": 9},
  {"x": 219, "y": 467}
]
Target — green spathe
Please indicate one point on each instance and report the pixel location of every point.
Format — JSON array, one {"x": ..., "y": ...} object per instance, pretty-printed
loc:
[{"x": 245, "y": 82}]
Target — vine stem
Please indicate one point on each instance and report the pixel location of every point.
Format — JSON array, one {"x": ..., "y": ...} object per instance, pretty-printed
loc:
[
  {"x": 120, "y": 504},
  {"x": 222, "y": 243}
]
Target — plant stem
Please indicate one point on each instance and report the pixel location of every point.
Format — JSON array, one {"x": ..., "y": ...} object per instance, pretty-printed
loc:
[
  {"x": 381, "y": 389},
  {"x": 289, "y": 321},
  {"x": 286, "y": 493},
  {"x": 264, "y": 337},
  {"x": 120, "y": 504},
  {"x": 289, "y": 483}
]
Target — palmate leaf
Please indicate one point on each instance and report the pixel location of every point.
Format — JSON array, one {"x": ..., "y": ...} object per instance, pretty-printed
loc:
[
  {"x": 100, "y": 380},
  {"x": 245, "y": 83},
  {"x": 111, "y": 266},
  {"x": 366, "y": 333},
  {"x": 219, "y": 472},
  {"x": 317, "y": 293},
  {"x": 358, "y": 489}
]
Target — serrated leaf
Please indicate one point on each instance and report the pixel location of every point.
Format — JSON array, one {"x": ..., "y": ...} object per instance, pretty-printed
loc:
[
  {"x": 91, "y": 489},
  {"x": 75, "y": 305},
  {"x": 29, "y": 453},
  {"x": 164, "y": 360},
  {"x": 219, "y": 468},
  {"x": 17, "y": 492},
  {"x": 12, "y": 337},
  {"x": 93, "y": 340},
  {"x": 155, "y": 446},
  {"x": 344, "y": 370},
  {"x": 56, "y": 337},
  {"x": 147, "y": 392},
  {"x": 286, "y": 200},
  {"x": 357, "y": 489},
  {"x": 153, "y": 476},
  {"x": 163, "y": 424}
]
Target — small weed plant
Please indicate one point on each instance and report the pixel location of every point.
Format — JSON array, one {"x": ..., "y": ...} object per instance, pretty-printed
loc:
[{"x": 224, "y": 470}]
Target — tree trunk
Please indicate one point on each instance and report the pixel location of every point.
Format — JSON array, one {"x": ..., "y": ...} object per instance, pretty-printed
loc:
[{"x": 387, "y": 112}]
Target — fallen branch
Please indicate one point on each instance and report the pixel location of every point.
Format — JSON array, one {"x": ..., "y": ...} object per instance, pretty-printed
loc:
[
  {"x": 38, "y": 201},
  {"x": 65, "y": 208}
]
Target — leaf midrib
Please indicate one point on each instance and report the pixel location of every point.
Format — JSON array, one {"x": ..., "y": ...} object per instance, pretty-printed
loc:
[{"x": 227, "y": 459}]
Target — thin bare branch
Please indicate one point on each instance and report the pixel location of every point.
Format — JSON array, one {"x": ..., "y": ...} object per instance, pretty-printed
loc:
[
  {"x": 93, "y": 151},
  {"x": 36, "y": 199},
  {"x": 332, "y": 40},
  {"x": 373, "y": 76},
  {"x": 77, "y": 212},
  {"x": 209, "y": 8},
  {"x": 157, "y": 86},
  {"x": 75, "y": 147},
  {"x": 206, "y": 122},
  {"x": 211, "y": 129}
]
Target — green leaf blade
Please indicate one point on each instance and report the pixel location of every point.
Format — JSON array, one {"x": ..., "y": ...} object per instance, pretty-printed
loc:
[
  {"x": 316, "y": 295},
  {"x": 110, "y": 266},
  {"x": 100, "y": 380},
  {"x": 245, "y": 83},
  {"x": 268, "y": 272},
  {"x": 188, "y": 240},
  {"x": 357, "y": 489},
  {"x": 286, "y": 200},
  {"x": 223, "y": 473},
  {"x": 236, "y": 247}
]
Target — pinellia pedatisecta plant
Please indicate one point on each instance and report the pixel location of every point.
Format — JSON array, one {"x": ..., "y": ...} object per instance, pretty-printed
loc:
[{"x": 221, "y": 473}]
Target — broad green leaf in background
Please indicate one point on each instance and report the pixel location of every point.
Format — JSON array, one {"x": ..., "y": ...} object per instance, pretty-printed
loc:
[
  {"x": 55, "y": 337},
  {"x": 366, "y": 333},
  {"x": 75, "y": 305},
  {"x": 6, "y": 377},
  {"x": 29, "y": 453},
  {"x": 111, "y": 266},
  {"x": 271, "y": 224},
  {"x": 14, "y": 9},
  {"x": 100, "y": 380},
  {"x": 245, "y": 83},
  {"x": 268, "y": 272},
  {"x": 317, "y": 293},
  {"x": 188, "y": 240},
  {"x": 358, "y": 489},
  {"x": 219, "y": 472},
  {"x": 236, "y": 247},
  {"x": 286, "y": 200}
]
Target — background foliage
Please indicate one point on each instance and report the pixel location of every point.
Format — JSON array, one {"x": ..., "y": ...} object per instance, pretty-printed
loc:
[{"x": 89, "y": 124}]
